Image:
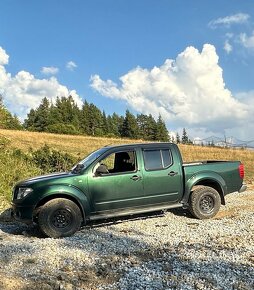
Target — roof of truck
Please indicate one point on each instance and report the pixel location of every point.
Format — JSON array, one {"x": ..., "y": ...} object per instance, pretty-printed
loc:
[{"x": 144, "y": 145}]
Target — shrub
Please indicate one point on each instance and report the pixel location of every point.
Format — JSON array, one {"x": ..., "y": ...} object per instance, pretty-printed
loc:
[
  {"x": 50, "y": 160},
  {"x": 61, "y": 128},
  {"x": 15, "y": 166}
]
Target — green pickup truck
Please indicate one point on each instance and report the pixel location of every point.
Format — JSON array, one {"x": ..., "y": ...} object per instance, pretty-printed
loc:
[{"x": 124, "y": 180}]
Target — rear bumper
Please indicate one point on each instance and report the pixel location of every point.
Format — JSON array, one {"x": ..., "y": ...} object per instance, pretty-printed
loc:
[
  {"x": 243, "y": 188},
  {"x": 23, "y": 214}
]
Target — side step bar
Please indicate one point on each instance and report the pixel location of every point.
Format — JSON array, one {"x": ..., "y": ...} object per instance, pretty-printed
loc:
[{"x": 131, "y": 211}]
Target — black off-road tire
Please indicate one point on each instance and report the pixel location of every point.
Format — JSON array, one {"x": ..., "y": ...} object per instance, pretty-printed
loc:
[
  {"x": 59, "y": 217},
  {"x": 204, "y": 202}
]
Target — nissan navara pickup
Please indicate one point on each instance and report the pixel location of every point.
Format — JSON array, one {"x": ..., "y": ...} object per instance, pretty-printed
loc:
[{"x": 125, "y": 180}]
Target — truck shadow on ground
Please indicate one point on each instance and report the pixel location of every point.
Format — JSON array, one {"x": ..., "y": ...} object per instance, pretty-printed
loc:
[
  {"x": 33, "y": 230},
  {"x": 142, "y": 216}
]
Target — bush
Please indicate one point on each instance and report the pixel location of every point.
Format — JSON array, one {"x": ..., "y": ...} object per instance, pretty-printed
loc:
[
  {"x": 50, "y": 160},
  {"x": 61, "y": 128},
  {"x": 15, "y": 166}
]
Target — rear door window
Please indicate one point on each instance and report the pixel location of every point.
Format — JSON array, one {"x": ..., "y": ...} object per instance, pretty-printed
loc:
[{"x": 157, "y": 159}]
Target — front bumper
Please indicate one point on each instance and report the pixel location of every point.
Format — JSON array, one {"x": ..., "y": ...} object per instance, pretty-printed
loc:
[
  {"x": 22, "y": 214},
  {"x": 243, "y": 188}
]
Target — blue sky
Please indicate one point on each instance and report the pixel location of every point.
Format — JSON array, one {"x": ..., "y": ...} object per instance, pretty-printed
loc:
[{"x": 114, "y": 54}]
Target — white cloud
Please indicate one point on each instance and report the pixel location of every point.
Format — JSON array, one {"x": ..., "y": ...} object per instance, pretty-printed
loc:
[
  {"x": 227, "y": 21},
  {"x": 4, "y": 58},
  {"x": 49, "y": 70},
  {"x": 23, "y": 91},
  {"x": 187, "y": 92},
  {"x": 247, "y": 41},
  {"x": 227, "y": 46},
  {"x": 71, "y": 65}
]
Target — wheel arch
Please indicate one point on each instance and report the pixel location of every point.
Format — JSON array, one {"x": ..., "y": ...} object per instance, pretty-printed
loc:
[
  {"x": 68, "y": 196},
  {"x": 214, "y": 181},
  {"x": 213, "y": 184}
]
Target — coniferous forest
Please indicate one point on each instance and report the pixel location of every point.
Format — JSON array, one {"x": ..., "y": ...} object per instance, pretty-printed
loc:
[{"x": 65, "y": 117}]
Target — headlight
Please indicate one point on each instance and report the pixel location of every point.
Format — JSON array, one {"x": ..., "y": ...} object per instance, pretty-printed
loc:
[{"x": 23, "y": 192}]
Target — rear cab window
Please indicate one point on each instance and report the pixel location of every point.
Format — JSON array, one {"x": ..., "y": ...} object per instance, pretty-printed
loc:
[{"x": 157, "y": 159}]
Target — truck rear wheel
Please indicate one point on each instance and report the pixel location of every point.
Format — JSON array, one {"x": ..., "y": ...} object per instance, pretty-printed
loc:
[
  {"x": 59, "y": 217},
  {"x": 204, "y": 202}
]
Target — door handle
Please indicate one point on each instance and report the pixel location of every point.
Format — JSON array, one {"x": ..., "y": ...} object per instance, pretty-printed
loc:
[
  {"x": 136, "y": 177},
  {"x": 172, "y": 173}
]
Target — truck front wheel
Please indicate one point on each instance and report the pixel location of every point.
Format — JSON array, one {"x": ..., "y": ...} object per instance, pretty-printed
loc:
[
  {"x": 204, "y": 202},
  {"x": 59, "y": 217}
]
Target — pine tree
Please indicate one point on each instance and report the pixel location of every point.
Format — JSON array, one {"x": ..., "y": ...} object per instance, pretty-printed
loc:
[
  {"x": 130, "y": 126},
  {"x": 142, "y": 125},
  {"x": 117, "y": 124},
  {"x": 7, "y": 121},
  {"x": 161, "y": 131},
  {"x": 30, "y": 120},
  {"x": 178, "y": 141},
  {"x": 95, "y": 121},
  {"x": 38, "y": 120},
  {"x": 68, "y": 111},
  {"x": 13, "y": 123},
  {"x": 64, "y": 116},
  {"x": 151, "y": 128},
  {"x": 55, "y": 116},
  {"x": 147, "y": 127},
  {"x": 185, "y": 138},
  {"x": 105, "y": 125},
  {"x": 84, "y": 118}
]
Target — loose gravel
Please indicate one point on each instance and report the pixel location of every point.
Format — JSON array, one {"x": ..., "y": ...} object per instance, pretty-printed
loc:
[{"x": 168, "y": 250}]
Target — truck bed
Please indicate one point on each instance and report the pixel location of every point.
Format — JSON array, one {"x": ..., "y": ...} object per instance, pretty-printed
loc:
[
  {"x": 227, "y": 170},
  {"x": 203, "y": 162}
]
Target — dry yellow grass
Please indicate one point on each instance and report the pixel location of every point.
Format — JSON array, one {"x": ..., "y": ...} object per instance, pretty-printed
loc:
[
  {"x": 82, "y": 145},
  {"x": 73, "y": 144},
  {"x": 191, "y": 153}
]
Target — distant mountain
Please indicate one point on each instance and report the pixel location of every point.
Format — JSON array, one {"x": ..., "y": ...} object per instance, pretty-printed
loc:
[{"x": 224, "y": 142}]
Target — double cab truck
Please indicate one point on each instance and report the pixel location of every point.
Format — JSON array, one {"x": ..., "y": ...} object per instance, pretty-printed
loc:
[{"x": 125, "y": 180}]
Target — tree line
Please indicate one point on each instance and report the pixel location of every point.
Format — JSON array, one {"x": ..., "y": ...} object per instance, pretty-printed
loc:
[{"x": 65, "y": 117}]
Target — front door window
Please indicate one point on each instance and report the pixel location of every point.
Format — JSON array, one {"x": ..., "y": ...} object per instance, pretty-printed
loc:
[{"x": 115, "y": 163}]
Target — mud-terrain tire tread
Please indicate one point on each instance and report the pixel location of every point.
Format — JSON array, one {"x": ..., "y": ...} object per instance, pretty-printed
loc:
[
  {"x": 46, "y": 214},
  {"x": 196, "y": 196}
]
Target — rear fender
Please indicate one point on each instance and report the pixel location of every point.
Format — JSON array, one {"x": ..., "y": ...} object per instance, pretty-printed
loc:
[{"x": 211, "y": 179}]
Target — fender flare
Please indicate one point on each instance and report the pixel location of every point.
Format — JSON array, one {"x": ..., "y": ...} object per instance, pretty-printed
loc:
[
  {"x": 65, "y": 191},
  {"x": 206, "y": 178}
]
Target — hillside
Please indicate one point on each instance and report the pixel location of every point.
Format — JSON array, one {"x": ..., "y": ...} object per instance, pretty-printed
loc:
[{"x": 82, "y": 145}]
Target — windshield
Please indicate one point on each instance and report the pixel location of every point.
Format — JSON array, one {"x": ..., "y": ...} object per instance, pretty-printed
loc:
[{"x": 83, "y": 164}]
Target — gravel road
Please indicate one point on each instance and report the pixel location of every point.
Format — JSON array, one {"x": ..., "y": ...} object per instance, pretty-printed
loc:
[{"x": 168, "y": 250}]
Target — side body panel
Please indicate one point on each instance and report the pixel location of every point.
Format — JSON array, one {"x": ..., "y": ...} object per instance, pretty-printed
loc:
[
  {"x": 165, "y": 185},
  {"x": 118, "y": 190}
]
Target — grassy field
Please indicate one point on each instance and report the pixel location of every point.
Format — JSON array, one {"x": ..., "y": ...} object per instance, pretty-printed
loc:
[
  {"x": 82, "y": 145},
  {"x": 76, "y": 145}
]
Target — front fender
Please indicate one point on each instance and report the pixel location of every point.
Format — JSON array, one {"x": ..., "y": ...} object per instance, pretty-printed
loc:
[
  {"x": 204, "y": 178},
  {"x": 70, "y": 192}
]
